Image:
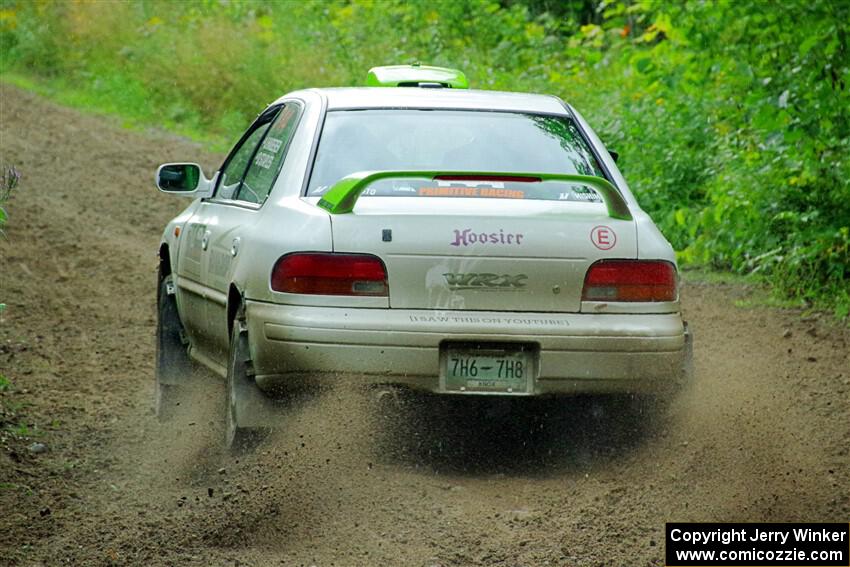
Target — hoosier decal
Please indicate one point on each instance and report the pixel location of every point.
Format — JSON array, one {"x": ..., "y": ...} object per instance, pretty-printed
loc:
[{"x": 466, "y": 237}]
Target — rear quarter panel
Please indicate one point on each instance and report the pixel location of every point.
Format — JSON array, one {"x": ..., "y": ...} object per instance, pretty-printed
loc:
[{"x": 285, "y": 223}]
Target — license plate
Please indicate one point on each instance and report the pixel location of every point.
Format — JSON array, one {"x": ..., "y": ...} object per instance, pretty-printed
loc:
[{"x": 504, "y": 370}]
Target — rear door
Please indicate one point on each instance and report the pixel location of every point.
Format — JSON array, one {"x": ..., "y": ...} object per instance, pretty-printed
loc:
[
  {"x": 204, "y": 259},
  {"x": 246, "y": 181}
]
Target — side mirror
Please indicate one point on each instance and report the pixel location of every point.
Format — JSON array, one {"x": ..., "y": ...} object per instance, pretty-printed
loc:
[
  {"x": 615, "y": 155},
  {"x": 185, "y": 179}
]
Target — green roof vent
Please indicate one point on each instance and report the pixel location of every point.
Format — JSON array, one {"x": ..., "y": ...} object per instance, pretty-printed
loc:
[{"x": 416, "y": 75}]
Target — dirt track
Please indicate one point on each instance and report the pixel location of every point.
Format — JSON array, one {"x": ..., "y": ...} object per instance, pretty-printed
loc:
[{"x": 762, "y": 436}]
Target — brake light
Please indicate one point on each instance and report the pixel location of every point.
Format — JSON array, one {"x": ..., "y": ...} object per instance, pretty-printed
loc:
[
  {"x": 330, "y": 274},
  {"x": 462, "y": 177},
  {"x": 630, "y": 280}
]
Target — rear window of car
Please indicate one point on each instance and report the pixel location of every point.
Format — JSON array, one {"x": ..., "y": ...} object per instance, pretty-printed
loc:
[{"x": 454, "y": 141}]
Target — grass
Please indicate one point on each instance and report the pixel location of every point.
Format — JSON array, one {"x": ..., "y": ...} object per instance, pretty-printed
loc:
[
  {"x": 759, "y": 291},
  {"x": 701, "y": 274},
  {"x": 11, "y": 420},
  {"x": 130, "y": 114},
  {"x": 27, "y": 490}
]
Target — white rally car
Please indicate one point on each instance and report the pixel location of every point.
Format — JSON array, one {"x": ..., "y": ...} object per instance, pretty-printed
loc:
[{"x": 421, "y": 234}]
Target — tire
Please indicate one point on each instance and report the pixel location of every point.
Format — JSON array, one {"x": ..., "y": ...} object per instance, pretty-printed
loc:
[
  {"x": 245, "y": 402},
  {"x": 173, "y": 366}
]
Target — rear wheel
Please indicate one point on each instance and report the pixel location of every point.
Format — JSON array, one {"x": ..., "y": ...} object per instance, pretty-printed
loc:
[
  {"x": 173, "y": 367},
  {"x": 246, "y": 404}
]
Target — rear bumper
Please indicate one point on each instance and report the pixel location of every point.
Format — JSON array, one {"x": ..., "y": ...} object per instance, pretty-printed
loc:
[{"x": 579, "y": 353}]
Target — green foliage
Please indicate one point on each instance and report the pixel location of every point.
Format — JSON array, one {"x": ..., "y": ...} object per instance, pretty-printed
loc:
[
  {"x": 10, "y": 412},
  {"x": 732, "y": 118},
  {"x": 8, "y": 182}
]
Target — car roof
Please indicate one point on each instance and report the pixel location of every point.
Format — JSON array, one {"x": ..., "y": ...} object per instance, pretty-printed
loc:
[{"x": 418, "y": 97}]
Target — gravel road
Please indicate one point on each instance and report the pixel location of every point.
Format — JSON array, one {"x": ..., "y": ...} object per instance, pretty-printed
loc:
[{"x": 763, "y": 434}]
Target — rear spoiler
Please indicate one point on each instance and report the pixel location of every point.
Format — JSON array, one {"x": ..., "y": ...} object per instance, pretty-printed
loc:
[{"x": 343, "y": 195}]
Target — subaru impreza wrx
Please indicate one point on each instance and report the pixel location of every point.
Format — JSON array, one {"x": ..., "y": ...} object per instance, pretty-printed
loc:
[{"x": 415, "y": 233}]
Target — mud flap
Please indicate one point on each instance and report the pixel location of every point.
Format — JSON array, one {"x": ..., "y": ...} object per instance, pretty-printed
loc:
[
  {"x": 172, "y": 359},
  {"x": 252, "y": 409},
  {"x": 688, "y": 362}
]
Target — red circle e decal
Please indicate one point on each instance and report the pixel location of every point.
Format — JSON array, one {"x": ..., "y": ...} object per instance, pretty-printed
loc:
[{"x": 603, "y": 237}]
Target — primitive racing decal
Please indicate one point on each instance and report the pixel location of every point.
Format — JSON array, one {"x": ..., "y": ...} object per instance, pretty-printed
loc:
[
  {"x": 488, "y": 192},
  {"x": 546, "y": 191}
]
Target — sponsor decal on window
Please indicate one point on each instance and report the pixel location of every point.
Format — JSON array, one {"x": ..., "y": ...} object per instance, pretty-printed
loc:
[
  {"x": 272, "y": 144},
  {"x": 264, "y": 160},
  {"x": 486, "y": 192}
]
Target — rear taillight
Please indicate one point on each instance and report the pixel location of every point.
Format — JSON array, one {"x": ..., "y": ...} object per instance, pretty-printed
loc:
[
  {"x": 473, "y": 177},
  {"x": 330, "y": 274},
  {"x": 630, "y": 280}
]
